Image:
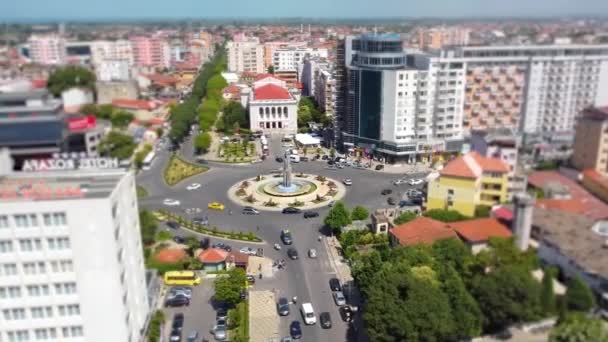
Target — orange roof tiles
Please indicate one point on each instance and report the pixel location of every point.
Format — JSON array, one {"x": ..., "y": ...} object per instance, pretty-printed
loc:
[
  {"x": 595, "y": 176},
  {"x": 213, "y": 256},
  {"x": 490, "y": 164},
  {"x": 572, "y": 206},
  {"x": 421, "y": 230},
  {"x": 480, "y": 230},
  {"x": 470, "y": 165},
  {"x": 271, "y": 92},
  {"x": 458, "y": 168},
  {"x": 134, "y": 104},
  {"x": 263, "y": 76},
  {"x": 170, "y": 256}
]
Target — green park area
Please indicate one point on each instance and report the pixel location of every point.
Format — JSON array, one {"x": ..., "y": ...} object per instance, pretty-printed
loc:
[{"x": 180, "y": 169}]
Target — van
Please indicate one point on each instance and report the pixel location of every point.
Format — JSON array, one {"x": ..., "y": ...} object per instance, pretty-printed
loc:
[{"x": 308, "y": 314}]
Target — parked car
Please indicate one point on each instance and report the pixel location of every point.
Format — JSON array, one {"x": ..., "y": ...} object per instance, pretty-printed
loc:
[
  {"x": 279, "y": 159},
  {"x": 250, "y": 279},
  {"x": 312, "y": 253},
  {"x": 325, "y": 157},
  {"x": 200, "y": 220},
  {"x": 193, "y": 186},
  {"x": 310, "y": 214},
  {"x": 346, "y": 313},
  {"x": 286, "y": 237},
  {"x": 283, "y": 306},
  {"x": 287, "y": 339},
  {"x": 295, "y": 330},
  {"x": 172, "y": 224},
  {"x": 220, "y": 330},
  {"x": 379, "y": 167},
  {"x": 304, "y": 159},
  {"x": 414, "y": 181},
  {"x": 204, "y": 243},
  {"x": 400, "y": 181},
  {"x": 176, "y": 335},
  {"x": 221, "y": 313},
  {"x": 291, "y": 210},
  {"x": 339, "y": 298},
  {"x": 192, "y": 336},
  {"x": 334, "y": 284},
  {"x": 247, "y": 250},
  {"x": 176, "y": 301},
  {"x": 347, "y": 182},
  {"x": 180, "y": 291},
  {"x": 250, "y": 211},
  {"x": 292, "y": 253},
  {"x": 325, "y": 318},
  {"x": 171, "y": 202},
  {"x": 386, "y": 192},
  {"x": 391, "y": 201},
  {"x": 178, "y": 321}
]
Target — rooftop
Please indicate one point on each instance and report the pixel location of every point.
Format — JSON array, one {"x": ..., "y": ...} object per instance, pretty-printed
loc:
[
  {"x": 480, "y": 230},
  {"x": 421, "y": 230},
  {"x": 472, "y": 164},
  {"x": 213, "y": 255},
  {"x": 600, "y": 113},
  {"x": 58, "y": 185},
  {"x": 271, "y": 92}
]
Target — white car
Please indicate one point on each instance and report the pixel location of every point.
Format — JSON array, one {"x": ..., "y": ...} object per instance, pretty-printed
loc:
[
  {"x": 171, "y": 202},
  {"x": 312, "y": 253},
  {"x": 347, "y": 182},
  {"x": 399, "y": 181},
  {"x": 193, "y": 186},
  {"x": 415, "y": 181},
  {"x": 247, "y": 250}
]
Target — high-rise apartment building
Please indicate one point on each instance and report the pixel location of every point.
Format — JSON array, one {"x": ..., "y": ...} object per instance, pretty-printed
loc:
[
  {"x": 440, "y": 37},
  {"x": 102, "y": 50},
  {"x": 71, "y": 263},
  {"x": 246, "y": 55},
  {"x": 400, "y": 106},
  {"x": 269, "y": 48},
  {"x": 591, "y": 141},
  {"x": 151, "y": 51},
  {"x": 113, "y": 70},
  {"x": 325, "y": 90},
  {"x": 47, "y": 49},
  {"x": 290, "y": 58}
]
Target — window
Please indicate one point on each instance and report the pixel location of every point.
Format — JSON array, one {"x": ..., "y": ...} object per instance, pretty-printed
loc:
[
  {"x": 69, "y": 310},
  {"x": 13, "y": 314},
  {"x": 34, "y": 267},
  {"x": 58, "y": 243},
  {"x": 75, "y": 331},
  {"x": 6, "y": 246},
  {"x": 450, "y": 203},
  {"x": 65, "y": 288},
  {"x": 38, "y": 290},
  {"x": 450, "y": 191},
  {"x": 25, "y": 220},
  {"x": 3, "y": 221},
  {"x": 54, "y": 219},
  {"x": 41, "y": 312},
  {"x": 18, "y": 336},
  {"x": 30, "y": 245},
  {"x": 8, "y": 269},
  {"x": 10, "y": 292}
]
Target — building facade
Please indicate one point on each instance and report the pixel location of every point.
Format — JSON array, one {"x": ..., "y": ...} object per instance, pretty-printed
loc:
[
  {"x": 591, "y": 141},
  {"x": 246, "y": 55},
  {"x": 113, "y": 70},
  {"x": 151, "y": 51},
  {"x": 324, "y": 91},
  {"x": 439, "y": 37},
  {"x": 467, "y": 182},
  {"x": 273, "y": 108},
  {"x": 70, "y": 251},
  {"x": 292, "y": 57},
  {"x": 102, "y": 50},
  {"x": 47, "y": 49}
]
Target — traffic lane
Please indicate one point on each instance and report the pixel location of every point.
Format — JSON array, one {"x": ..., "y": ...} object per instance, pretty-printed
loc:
[{"x": 199, "y": 315}]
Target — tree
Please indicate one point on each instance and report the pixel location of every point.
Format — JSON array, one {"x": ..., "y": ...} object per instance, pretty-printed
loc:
[
  {"x": 117, "y": 145},
  {"x": 359, "y": 213},
  {"x": 148, "y": 226},
  {"x": 482, "y": 211},
  {"x": 89, "y": 109},
  {"x": 68, "y": 77},
  {"x": 445, "y": 215},
  {"x": 271, "y": 69},
  {"x": 332, "y": 152},
  {"x": 463, "y": 306},
  {"x": 202, "y": 142},
  {"x": 454, "y": 253},
  {"x": 140, "y": 156},
  {"x": 337, "y": 217},
  {"x": 193, "y": 244},
  {"x": 578, "y": 295},
  {"x": 228, "y": 289},
  {"x": 547, "y": 296},
  {"x": 163, "y": 235},
  {"x": 405, "y": 217},
  {"x": 579, "y": 328},
  {"x": 121, "y": 119}
]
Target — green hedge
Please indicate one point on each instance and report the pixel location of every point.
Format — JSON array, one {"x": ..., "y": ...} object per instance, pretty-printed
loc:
[
  {"x": 240, "y": 236},
  {"x": 240, "y": 322},
  {"x": 154, "y": 331}
]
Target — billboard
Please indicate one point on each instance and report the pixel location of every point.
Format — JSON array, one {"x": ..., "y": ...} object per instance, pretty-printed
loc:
[{"x": 82, "y": 123}]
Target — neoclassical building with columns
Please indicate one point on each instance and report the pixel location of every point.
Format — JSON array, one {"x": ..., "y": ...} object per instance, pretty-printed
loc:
[{"x": 273, "y": 108}]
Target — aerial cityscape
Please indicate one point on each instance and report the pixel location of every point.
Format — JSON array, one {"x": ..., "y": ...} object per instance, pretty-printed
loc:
[{"x": 329, "y": 171}]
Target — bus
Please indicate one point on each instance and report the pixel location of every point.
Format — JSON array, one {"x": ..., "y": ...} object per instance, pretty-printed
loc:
[
  {"x": 188, "y": 278},
  {"x": 147, "y": 163}
]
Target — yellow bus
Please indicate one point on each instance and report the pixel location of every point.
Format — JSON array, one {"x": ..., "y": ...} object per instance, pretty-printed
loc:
[{"x": 188, "y": 278}]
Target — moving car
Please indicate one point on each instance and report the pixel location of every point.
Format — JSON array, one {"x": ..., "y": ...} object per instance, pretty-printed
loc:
[
  {"x": 250, "y": 279},
  {"x": 179, "y": 300},
  {"x": 325, "y": 319},
  {"x": 172, "y": 224},
  {"x": 309, "y": 214},
  {"x": 250, "y": 211},
  {"x": 386, "y": 192},
  {"x": 347, "y": 182},
  {"x": 220, "y": 330},
  {"x": 283, "y": 306},
  {"x": 279, "y": 159},
  {"x": 215, "y": 206},
  {"x": 295, "y": 330},
  {"x": 400, "y": 181},
  {"x": 391, "y": 201},
  {"x": 247, "y": 250},
  {"x": 308, "y": 313},
  {"x": 171, "y": 202},
  {"x": 379, "y": 167},
  {"x": 286, "y": 237},
  {"x": 334, "y": 284},
  {"x": 292, "y": 253},
  {"x": 414, "y": 181},
  {"x": 180, "y": 291},
  {"x": 339, "y": 298},
  {"x": 193, "y": 186},
  {"x": 346, "y": 313},
  {"x": 291, "y": 210},
  {"x": 200, "y": 220},
  {"x": 312, "y": 253}
]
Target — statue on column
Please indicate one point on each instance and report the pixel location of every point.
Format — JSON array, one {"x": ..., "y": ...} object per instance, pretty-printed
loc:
[{"x": 286, "y": 170}]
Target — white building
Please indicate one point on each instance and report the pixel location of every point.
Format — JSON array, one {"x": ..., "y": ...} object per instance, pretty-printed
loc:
[
  {"x": 113, "y": 70},
  {"x": 102, "y": 50},
  {"x": 324, "y": 90},
  {"x": 290, "y": 58},
  {"x": 47, "y": 49},
  {"x": 272, "y": 107},
  {"x": 246, "y": 55},
  {"x": 71, "y": 263},
  {"x": 76, "y": 97}
]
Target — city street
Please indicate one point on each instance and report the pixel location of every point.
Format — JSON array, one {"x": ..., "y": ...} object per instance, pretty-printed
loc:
[{"x": 305, "y": 278}]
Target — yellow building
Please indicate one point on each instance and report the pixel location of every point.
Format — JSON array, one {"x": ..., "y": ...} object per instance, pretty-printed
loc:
[{"x": 467, "y": 182}]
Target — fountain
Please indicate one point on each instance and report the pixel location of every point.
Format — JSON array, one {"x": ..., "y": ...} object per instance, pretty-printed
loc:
[{"x": 287, "y": 185}]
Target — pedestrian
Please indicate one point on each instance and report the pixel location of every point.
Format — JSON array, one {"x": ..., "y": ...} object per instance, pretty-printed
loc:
[
  {"x": 257, "y": 228},
  {"x": 295, "y": 299}
]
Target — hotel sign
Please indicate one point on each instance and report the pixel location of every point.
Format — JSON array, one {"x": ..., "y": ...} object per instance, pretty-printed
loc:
[{"x": 61, "y": 164}]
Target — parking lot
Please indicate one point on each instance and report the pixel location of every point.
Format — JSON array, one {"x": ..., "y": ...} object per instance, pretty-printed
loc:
[{"x": 199, "y": 315}]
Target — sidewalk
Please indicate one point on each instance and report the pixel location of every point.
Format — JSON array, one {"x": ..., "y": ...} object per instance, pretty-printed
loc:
[{"x": 263, "y": 317}]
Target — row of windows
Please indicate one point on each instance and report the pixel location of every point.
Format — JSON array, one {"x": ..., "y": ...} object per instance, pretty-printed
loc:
[
  {"x": 30, "y": 245},
  {"x": 11, "y": 292},
  {"x": 39, "y": 312},
  {"x": 44, "y": 334},
  {"x": 274, "y": 110},
  {"x": 31, "y": 220},
  {"x": 40, "y": 267}
]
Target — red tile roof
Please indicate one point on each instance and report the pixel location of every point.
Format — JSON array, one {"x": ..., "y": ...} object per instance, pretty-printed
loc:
[
  {"x": 480, "y": 230},
  {"x": 472, "y": 164},
  {"x": 170, "y": 256},
  {"x": 421, "y": 230},
  {"x": 503, "y": 213},
  {"x": 271, "y": 92},
  {"x": 135, "y": 104},
  {"x": 162, "y": 80},
  {"x": 263, "y": 76},
  {"x": 233, "y": 90},
  {"x": 596, "y": 177},
  {"x": 213, "y": 256},
  {"x": 490, "y": 164},
  {"x": 458, "y": 168},
  {"x": 572, "y": 206}
]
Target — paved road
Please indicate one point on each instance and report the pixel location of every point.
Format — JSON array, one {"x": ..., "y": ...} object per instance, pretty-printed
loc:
[{"x": 305, "y": 278}]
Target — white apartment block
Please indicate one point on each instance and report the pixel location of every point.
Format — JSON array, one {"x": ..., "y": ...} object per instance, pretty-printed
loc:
[
  {"x": 286, "y": 59},
  {"x": 71, "y": 263},
  {"x": 102, "y": 50},
  {"x": 246, "y": 56},
  {"x": 324, "y": 90},
  {"x": 557, "y": 83},
  {"x": 47, "y": 49},
  {"x": 113, "y": 70}
]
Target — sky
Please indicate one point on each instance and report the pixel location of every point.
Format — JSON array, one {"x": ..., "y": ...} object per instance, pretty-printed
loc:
[{"x": 148, "y": 9}]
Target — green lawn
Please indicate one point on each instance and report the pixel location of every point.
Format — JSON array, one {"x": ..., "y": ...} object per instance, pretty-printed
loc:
[
  {"x": 236, "y": 152},
  {"x": 179, "y": 169}
]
